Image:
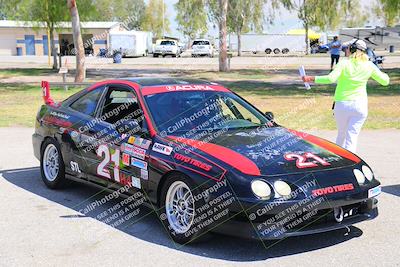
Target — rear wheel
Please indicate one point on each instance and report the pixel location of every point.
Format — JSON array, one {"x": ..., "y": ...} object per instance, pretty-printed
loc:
[
  {"x": 277, "y": 51},
  {"x": 52, "y": 165},
  {"x": 285, "y": 50},
  {"x": 179, "y": 206},
  {"x": 155, "y": 55},
  {"x": 268, "y": 51}
]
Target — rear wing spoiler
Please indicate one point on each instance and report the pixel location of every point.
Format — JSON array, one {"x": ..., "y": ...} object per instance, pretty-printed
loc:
[{"x": 46, "y": 93}]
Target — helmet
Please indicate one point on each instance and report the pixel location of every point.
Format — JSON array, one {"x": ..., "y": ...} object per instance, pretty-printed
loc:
[{"x": 356, "y": 44}]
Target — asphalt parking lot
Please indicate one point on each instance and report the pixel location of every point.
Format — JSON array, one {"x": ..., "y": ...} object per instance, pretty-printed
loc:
[{"x": 44, "y": 227}]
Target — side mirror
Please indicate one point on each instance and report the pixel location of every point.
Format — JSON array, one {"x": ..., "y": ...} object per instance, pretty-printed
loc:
[{"x": 269, "y": 115}]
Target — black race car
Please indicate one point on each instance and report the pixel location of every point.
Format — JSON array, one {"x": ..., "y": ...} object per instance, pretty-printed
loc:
[{"x": 203, "y": 157}]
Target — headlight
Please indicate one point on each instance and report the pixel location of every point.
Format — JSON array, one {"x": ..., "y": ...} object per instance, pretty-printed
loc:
[
  {"x": 261, "y": 189},
  {"x": 282, "y": 188},
  {"x": 367, "y": 172},
  {"x": 359, "y": 176}
]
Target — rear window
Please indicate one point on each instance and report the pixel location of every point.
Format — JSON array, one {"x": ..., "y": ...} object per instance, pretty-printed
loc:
[
  {"x": 167, "y": 43},
  {"x": 201, "y": 43},
  {"x": 87, "y": 103}
]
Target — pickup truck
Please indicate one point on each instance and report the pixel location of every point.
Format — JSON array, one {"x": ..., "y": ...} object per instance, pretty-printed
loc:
[{"x": 167, "y": 47}]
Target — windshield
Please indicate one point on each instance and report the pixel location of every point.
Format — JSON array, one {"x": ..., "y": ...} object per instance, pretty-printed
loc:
[
  {"x": 201, "y": 43},
  {"x": 167, "y": 43},
  {"x": 177, "y": 113}
]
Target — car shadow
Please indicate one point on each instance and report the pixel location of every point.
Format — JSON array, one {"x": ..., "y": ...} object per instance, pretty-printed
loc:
[
  {"x": 392, "y": 189},
  {"x": 147, "y": 226}
]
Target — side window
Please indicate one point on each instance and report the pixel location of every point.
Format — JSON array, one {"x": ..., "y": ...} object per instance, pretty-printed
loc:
[
  {"x": 87, "y": 103},
  {"x": 121, "y": 103}
]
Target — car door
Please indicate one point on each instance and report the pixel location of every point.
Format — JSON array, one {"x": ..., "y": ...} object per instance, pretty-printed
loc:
[
  {"x": 122, "y": 148},
  {"x": 79, "y": 138}
]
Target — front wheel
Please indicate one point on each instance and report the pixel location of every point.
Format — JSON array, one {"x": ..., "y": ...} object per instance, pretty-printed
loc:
[
  {"x": 179, "y": 207},
  {"x": 52, "y": 165}
]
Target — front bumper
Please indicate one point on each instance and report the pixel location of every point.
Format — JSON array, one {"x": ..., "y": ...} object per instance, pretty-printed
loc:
[{"x": 317, "y": 222}]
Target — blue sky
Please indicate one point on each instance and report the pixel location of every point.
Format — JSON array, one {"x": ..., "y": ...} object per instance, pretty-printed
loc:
[{"x": 283, "y": 21}]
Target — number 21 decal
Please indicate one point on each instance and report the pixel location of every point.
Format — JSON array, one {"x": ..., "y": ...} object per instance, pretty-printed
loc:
[
  {"x": 301, "y": 160},
  {"x": 102, "y": 167}
]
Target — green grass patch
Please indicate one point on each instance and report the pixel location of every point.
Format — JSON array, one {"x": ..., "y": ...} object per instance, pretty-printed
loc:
[
  {"x": 6, "y": 73},
  {"x": 293, "y": 106},
  {"x": 20, "y": 103}
]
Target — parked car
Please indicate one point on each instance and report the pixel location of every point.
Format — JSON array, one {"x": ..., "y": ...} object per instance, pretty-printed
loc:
[
  {"x": 202, "y": 47},
  {"x": 204, "y": 158},
  {"x": 167, "y": 48},
  {"x": 315, "y": 49}
]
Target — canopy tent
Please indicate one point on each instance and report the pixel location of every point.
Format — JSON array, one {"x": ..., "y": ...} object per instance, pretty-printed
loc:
[{"x": 311, "y": 34}]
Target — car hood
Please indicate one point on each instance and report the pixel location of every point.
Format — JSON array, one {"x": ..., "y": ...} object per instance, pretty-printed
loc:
[{"x": 264, "y": 151}]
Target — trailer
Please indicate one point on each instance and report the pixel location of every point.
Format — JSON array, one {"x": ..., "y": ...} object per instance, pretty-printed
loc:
[
  {"x": 131, "y": 43},
  {"x": 378, "y": 38},
  {"x": 268, "y": 43}
]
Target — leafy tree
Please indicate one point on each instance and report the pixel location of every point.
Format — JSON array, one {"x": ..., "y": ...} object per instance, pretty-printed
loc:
[
  {"x": 191, "y": 17},
  {"x": 389, "y": 10},
  {"x": 155, "y": 19},
  {"x": 130, "y": 12},
  {"x": 47, "y": 13},
  {"x": 245, "y": 15},
  {"x": 323, "y": 14}
]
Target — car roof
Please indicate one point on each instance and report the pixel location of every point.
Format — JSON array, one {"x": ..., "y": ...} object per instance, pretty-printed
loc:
[{"x": 161, "y": 81}]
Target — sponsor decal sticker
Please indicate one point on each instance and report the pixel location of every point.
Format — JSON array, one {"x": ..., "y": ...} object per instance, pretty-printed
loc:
[
  {"x": 194, "y": 162},
  {"x": 333, "y": 189},
  {"x": 136, "y": 182},
  {"x": 125, "y": 179},
  {"x": 60, "y": 115},
  {"x": 373, "y": 192},
  {"x": 143, "y": 143},
  {"x": 126, "y": 159},
  {"x": 139, "y": 163},
  {"x": 189, "y": 87},
  {"x": 144, "y": 174},
  {"x": 131, "y": 140},
  {"x": 75, "y": 166},
  {"x": 133, "y": 151},
  {"x": 163, "y": 149}
]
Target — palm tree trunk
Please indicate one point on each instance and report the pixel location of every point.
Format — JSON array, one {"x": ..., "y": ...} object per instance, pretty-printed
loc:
[
  {"x": 223, "y": 56},
  {"x": 80, "y": 74}
]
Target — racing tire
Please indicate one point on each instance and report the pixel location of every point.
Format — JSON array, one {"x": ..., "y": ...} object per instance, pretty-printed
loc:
[
  {"x": 178, "y": 210},
  {"x": 52, "y": 166},
  {"x": 268, "y": 51},
  {"x": 285, "y": 50},
  {"x": 277, "y": 51}
]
